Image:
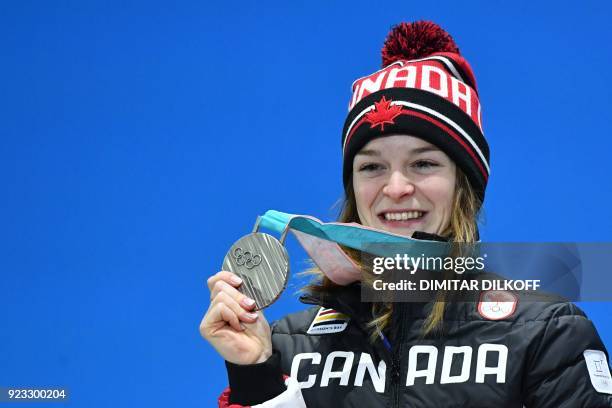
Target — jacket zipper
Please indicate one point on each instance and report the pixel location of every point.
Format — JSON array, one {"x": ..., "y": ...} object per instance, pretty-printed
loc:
[
  {"x": 395, "y": 377},
  {"x": 396, "y": 356}
]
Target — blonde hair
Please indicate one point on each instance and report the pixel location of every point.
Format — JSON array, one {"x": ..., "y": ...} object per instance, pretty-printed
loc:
[{"x": 462, "y": 228}]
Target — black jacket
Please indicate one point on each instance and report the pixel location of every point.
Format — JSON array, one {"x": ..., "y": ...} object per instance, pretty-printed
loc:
[{"x": 534, "y": 357}]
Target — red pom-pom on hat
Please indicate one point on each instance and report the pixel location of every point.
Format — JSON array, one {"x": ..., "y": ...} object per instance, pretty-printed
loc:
[{"x": 408, "y": 41}]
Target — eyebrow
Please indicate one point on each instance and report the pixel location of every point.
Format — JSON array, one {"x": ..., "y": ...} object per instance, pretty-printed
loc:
[
  {"x": 417, "y": 150},
  {"x": 368, "y": 153}
]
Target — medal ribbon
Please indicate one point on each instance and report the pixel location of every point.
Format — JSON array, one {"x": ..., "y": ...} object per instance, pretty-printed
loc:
[{"x": 322, "y": 243}]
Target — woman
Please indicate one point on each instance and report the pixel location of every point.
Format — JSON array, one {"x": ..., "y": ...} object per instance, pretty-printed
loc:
[{"x": 415, "y": 163}]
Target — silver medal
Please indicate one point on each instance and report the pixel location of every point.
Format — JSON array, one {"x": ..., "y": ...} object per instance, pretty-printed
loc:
[{"x": 262, "y": 262}]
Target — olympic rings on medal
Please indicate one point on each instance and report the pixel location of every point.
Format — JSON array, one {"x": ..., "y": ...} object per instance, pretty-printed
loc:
[{"x": 246, "y": 258}]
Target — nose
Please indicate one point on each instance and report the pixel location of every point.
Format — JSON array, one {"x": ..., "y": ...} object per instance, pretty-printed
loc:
[{"x": 398, "y": 186}]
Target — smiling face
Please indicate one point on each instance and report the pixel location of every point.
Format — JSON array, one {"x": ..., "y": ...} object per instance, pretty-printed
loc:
[{"x": 404, "y": 184}]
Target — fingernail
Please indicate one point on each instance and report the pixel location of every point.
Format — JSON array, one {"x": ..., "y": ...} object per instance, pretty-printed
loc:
[
  {"x": 242, "y": 326},
  {"x": 251, "y": 315},
  {"x": 248, "y": 302},
  {"x": 236, "y": 280}
]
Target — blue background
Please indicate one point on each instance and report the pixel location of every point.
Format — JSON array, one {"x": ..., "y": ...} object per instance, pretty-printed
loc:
[{"x": 140, "y": 139}]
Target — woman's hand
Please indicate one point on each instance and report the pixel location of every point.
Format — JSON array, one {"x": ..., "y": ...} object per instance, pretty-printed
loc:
[{"x": 238, "y": 334}]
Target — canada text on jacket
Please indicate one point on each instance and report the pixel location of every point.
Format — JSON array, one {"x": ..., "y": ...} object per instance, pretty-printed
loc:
[{"x": 431, "y": 354}]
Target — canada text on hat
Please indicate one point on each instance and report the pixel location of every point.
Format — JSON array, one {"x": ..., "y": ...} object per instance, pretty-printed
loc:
[{"x": 429, "y": 74}]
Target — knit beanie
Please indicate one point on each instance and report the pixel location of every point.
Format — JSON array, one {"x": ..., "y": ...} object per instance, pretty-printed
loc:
[{"x": 425, "y": 89}]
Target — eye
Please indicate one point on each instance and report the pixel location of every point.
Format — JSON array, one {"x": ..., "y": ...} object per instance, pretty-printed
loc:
[
  {"x": 424, "y": 164},
  {"x": 370, "y": 167}
]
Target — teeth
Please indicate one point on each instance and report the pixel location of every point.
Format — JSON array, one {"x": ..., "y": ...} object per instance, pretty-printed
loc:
[{"x": 403, "y": 216}]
